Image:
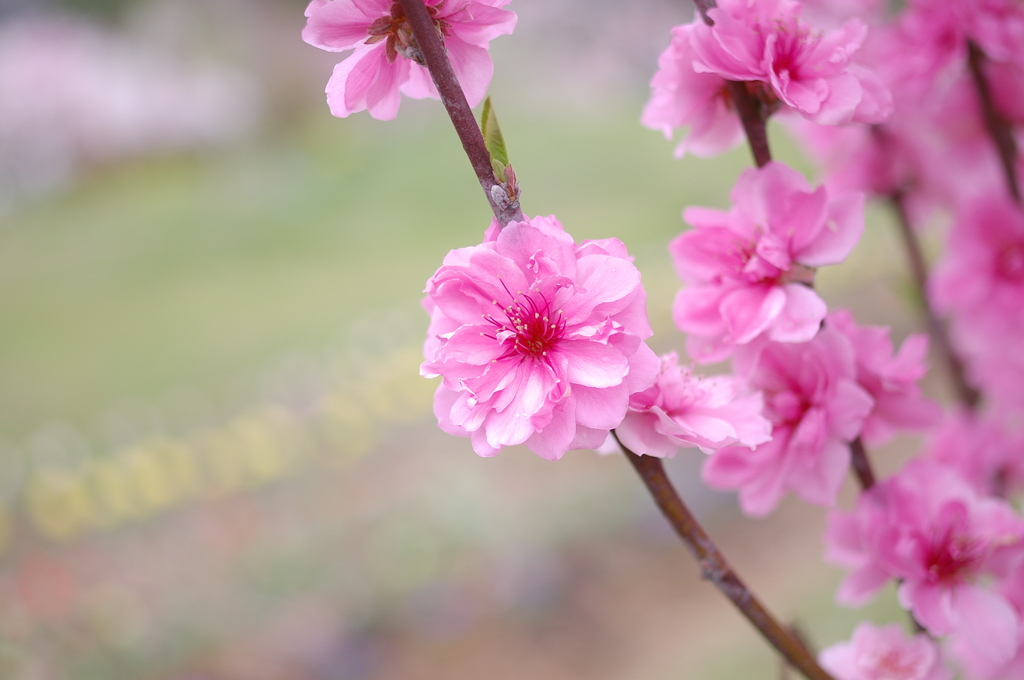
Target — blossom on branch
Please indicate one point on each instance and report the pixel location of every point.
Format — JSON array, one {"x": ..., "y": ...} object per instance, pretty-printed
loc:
[
  {"x": 746, "y": 271},
  {"x": 682, "y": 97},
  {"x": 927, "y": 527},
  {"x": 816, "y": 409},
  {"x": 538, "y": 340},
  {"x": 809, "y": 70},
  {"x": 979, "y": 282},
  {"x": 885, "y": 653},
  {"x": 890, "y": 378},
  {"x": 682, "y": 410},
  {"x": 386, "y": 59}
]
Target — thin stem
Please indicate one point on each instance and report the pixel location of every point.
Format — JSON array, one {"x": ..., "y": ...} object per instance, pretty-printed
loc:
[
  {"x": 998, "y": 127},
  {"x": 703, "y": 6},
  {"x": 454, "y": 99},
  {"x": 861, "y": 464},
  {"x": 754, "y": 116},
  {"x": 752, "y": 112},
  {"x": 715, "y": 569},
  {"x": 936, "y": 328}
]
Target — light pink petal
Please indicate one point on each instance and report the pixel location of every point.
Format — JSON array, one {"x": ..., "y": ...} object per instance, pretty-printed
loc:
[
  {"x": 841, "y": 233},
  {"x": 848, "y": 409},
  {"x": 819, "y": 483},
  {"x": 986, "y": 622},
  {"x": 639, "y": 434},
  {"x": 601, "y": 409},
  {"x": 748, "y": 311},
  {"x": 419, "y": 85},
  {"x": 338, "y": 26},
  {"x": 592, "y": 364},
  {"x": 843, "y": 94},
  {"x": 346, "y": 90},
  {"x": 473, "y": 67},
  {"x": 480, "y": 23},
  {"x": 553, "y": 441},
  {"x": 383, "y": 97},
  {"x": 801, "y": 317}
]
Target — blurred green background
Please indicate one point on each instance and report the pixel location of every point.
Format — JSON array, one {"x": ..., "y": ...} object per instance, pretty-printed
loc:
[{"x": 217, "y": 460}]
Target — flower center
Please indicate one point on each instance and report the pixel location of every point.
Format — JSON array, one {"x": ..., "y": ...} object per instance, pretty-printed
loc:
[
  {"x": 953, "y": 558},
  {"x": 530, "y": 328},
  {"x": 1010, "y": 262},
  {"x": 786, "y": 408},
  {"x": 395, "y": 29},
  {"x": 892, "y": 664}
]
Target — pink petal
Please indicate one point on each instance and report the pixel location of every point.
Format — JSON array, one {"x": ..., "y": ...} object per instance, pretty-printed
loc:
[
  {"x": 986, "y": 622},
  {"x": 593, "y": 364},
  {"x": 841, "y": 232},
  {"x": 748, "y": 311},
  {"x": 801, "y": 317}
]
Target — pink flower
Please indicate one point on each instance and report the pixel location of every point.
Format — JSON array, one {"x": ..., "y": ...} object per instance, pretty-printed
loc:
[
  {"x": 681, "y": 97},
  {"x": 978, "y": 667},
  {"x": 386, "y": 58},
  {"x": 682, "y": 409},
  {"x": 809, "y": 70},
  {"x": 979, "y": 281},
  {"x": 929, "y": 528},
  {"x": 890, "y": 380},
  {"x": 982, "y": 270},
  {"x": 816, "y": 408},
  {"x": 884, "y": 653},
  {"x": 745, "y": 270},
  {"x": 538, "y": 340},
  {"x": 984, "y": 450}
]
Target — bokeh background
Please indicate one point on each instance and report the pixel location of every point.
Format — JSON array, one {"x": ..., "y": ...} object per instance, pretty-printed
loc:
[{"x": 217, "y": 460}]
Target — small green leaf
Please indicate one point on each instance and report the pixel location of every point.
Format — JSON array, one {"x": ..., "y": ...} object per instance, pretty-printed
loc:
[
  {"x": 492, "y": 136},
  {"x": 499, "y": 170}
]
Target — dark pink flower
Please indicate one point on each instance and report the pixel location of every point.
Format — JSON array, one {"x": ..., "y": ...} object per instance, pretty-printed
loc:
[
  {"x": 891, "y": 380},
  {"x": 745, "y": 270},
  {"x": 386, "y": 59},
  {"x": 538, "y": 340},
  {"x": 682, "y": 409},
  {"x": 681, "y": 97},
  {"x": 928, "y": 528},
  {"x": 807, "y": 69},
  {"x": 885, "y": 653},
  {"x": 816, "y": 409}
]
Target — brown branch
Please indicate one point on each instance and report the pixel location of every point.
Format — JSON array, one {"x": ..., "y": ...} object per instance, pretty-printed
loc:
[
  {"x": 861, "y": 464},
  {"x": 435, "y": 58},
  {"x": 998, "y": 127},
  {"x": 754, "y": 116},
  {"x": 715, "y": 569},
  {"x": 936, "y": 328},
  {"x": 703, "y": 6}
]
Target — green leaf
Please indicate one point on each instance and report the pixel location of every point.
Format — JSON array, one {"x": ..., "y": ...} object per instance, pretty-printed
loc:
[{"x": 492, "y": 135}]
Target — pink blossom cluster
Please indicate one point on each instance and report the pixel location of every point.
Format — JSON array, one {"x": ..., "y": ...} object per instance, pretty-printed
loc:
[
  {"x": 386, "y": 61},
  {"x": 932, "y": 531},
  {"x": 937, "y": 123},
  {"x": 979, "y": 283},
  {"x": 684, "y": 410},
  {"x": 746, "y": 270},
  {"x": 941, "y": 527},
  {"x": 784, "y": 62},
  {"x": 542, "y": 341}
]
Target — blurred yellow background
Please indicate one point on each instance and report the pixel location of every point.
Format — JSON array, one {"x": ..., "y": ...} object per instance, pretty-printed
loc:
[{"x": 217, "y": 460}]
